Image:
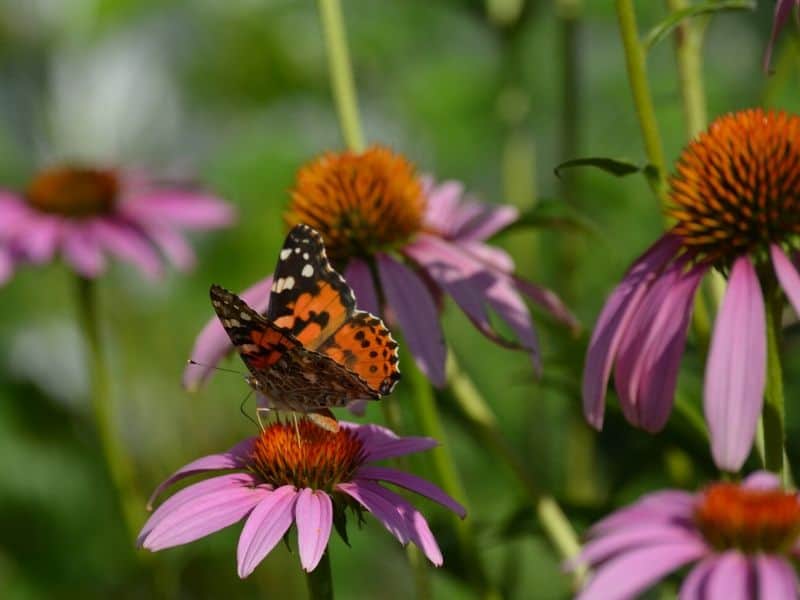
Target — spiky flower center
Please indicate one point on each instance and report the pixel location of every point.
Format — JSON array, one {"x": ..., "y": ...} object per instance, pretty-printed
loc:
[
  {"x": 360, "y": 203},
  {"x": 73, "y": 191},
  {"x": 737, "y": 186},
  {"x": 750, "y": 520},
  {"x": 306, "y": 455}
]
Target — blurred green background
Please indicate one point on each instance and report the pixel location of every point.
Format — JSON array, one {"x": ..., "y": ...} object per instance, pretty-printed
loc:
[{"x": 236, "y": 94}]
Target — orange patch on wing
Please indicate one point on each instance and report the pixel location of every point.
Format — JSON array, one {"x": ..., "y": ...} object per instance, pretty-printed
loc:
[
  {"x": 327, "y": 300},
  {"x": 272, "y": 344}
]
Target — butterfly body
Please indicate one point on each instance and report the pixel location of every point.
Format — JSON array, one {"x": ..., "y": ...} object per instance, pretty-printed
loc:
[{"x": 313, "y": 349}]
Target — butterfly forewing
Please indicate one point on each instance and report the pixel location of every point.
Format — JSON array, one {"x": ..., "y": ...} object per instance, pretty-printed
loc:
[{"x": 308, "y": 298}]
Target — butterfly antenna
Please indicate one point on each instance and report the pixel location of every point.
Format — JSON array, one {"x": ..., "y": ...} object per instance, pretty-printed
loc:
[
  {"x": 223, "y": 369},
  {"x": 248, "y": 417}
]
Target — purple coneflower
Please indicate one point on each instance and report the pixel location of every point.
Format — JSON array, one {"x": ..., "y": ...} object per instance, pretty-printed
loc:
[
  {"x": 736, "y": 199},
  {"x": 84, "y": 214},
  {"x": 782, "y": 10},
  {"x": 741, "y": 539},
  {"x": 404, "y": 239},
  {"x": 297, "y": 475}
]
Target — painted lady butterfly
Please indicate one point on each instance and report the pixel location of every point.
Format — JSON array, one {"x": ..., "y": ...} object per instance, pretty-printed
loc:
[{"x": 312, "y": 350}]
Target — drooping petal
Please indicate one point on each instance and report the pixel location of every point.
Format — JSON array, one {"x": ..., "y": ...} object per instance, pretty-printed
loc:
[
  {"x": 693, "y": 587},
  {"x": 600, "y": 549},
  {"x": 82, "y": 250},
  {"x": 549, "y": 301},
  {"x": 783, "y": 8},
  {"x": 213, "y": 343},
  {"x": 314, "y": 517},
  {"x": 264, "y": 528},
  {"x": 787, "y": 275},
  {"x": 762, "y": 480},
  {"x": 731, "y": 578},
  {"x": 201, "y": 509},
  {"x": 491, "y": 256},
  {"x": 415, "y": 311},
  {"x": 776, "y": 578},
  {"x": 612, "y": 322},
  {"x": 378, "y": 505},
  {"x": 412, "y": 483},
  {"x": 736, "y": 368},
  {"x": 649, "y": 354},
  {"x": 442, "y": 201},
  {"x": 230, "y": 459},
  {"x": 192, "y": 210},
  {"x": 477, "y": 221},
  {"x": 359, "y": 278},
  {"x": 381, "y": 443},
  {"x": 129, "y": 244},
  {"x": 624, "y": 577},
  {"x": 662, "y": 506},
  {"x": 171, "y": 243},
  {"x": 511, "y": 308},
  {"x": 37, "y": 237}
]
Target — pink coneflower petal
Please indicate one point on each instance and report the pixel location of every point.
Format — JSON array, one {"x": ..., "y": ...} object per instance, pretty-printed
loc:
[
  {"x": 413, "y": 484},
  {"x": 383, "y": 510},
  {"x": 612, "y": 322},
  {"x": 381, "y": 443},
  {"x": 627, "y": 575},
  {"x": 736, "y": 368},
  {"x": 549, "y": 301},
  {"x": 510, "y": 306},
  {"x": 477, "y": 221},
  {"x": 693, "y": 587},
  {"x": 417, "y": 526},
  {"x": 38, "y": 238},
  {"x": 82, "y": 250},
  {"x": 314, "y": 517},
  {"x": 128, "y": 244},
  {"x": 496, "y": 258},
  {"x": 775, "y": 576},
  {"x": 783, "y": 8},
  {"x": 762, "y": 480},
  {"x": 731, "y": 578},
  {"x": 640, "y": 536},
  {"x": 171, "y": 243},
  {"x": 193, "y": 210},
  {"x": 201, "y": 509},
  {"x": 649, "y": 354},
  {"x": 442, "y": 202},
  {"x": 665, "y": 505},
  {"x": 264, "y": 528},
  {"x": 6, "y": 265},
  {"x": 416, "y": 313},
  {"x": 787, "y": 275},
  {"x": 359, "y": 278},
  {"x": 231, "y": 459},
  {"x": 213, "y": 343}
]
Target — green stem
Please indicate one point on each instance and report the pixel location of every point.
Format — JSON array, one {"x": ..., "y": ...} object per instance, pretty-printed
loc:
[
  {"x": 773, "y": 414},
  {"x": 482, "y": 419},
  {"x": 341, "y": 73},
  {"x": 119, "y": 466},
  {"x": 424, "y": 402},
  {"x": 320, "y": 580},
  {"x": 688, "y": 46},
  {"x": 642, "y": 99}
]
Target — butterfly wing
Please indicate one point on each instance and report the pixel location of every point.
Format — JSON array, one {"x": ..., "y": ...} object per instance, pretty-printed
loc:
[
  {"x": 259, "y": 342},
  {"x": 309, "y": 298}
]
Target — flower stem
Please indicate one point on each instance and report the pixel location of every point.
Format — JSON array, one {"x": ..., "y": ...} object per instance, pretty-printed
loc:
[
  {"x": 482, "y": 419},
  {"x": 119, "y": 466},
  {"x": 642, "y": 99},
  {"x": 688, "y": 45},
  {"x": 447, "y": 475},
  {"x": 773, "y": 413},
  {"x": 320, "y": 580},
  {"x": 341, "y": 73}
]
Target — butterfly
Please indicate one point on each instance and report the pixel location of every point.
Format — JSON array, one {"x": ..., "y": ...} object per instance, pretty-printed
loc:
[{"x": 313, "y": 349}]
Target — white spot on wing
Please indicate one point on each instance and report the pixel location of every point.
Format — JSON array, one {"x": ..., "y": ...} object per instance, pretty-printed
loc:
[
  {"x": 307, "y": 271},
  {"x": 285, "y": 253},
  {"x": 245, "y": 316},
  {"x": 288, "y": 283}
]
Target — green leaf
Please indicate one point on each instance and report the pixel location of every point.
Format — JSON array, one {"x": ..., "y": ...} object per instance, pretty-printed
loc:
[
  {"x": 665, "y": 27},
  {"x": 554, "y": 214},
  {"x": 615, "y": 166}
]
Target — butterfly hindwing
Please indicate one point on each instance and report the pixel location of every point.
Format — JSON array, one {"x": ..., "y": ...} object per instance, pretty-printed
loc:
[
  {"x": 260, "y": 343},
  {"x": 309, "y": 298},
  {"x": 365, "y": 346}
]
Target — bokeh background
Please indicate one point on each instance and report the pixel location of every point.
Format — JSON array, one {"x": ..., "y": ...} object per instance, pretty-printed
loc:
[{"x": 235, "y": 94}]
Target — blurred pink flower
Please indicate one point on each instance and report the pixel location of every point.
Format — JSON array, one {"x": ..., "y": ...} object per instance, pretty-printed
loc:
[
  {"x": 735, "y": 201},
  {"x": 85, "y": 214},
  {"x": 741, "y": 538},
  {"x": 276, "y": 479},
  {"x": 421, "y": 240},
  {"x": 783, "y": 9}
]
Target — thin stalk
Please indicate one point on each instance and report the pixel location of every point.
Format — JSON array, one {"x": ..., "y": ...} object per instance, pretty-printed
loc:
[
  {"x": 480, "y": 416},
  {"x": 773, "y": 415},
  {"x": 642, "y": 99},
  {"x": 341, "y": 73},
  {"x": 320, "y": 580},
  {"x": 688, "y": 46},
  {"x": 119, "y": 465}
]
